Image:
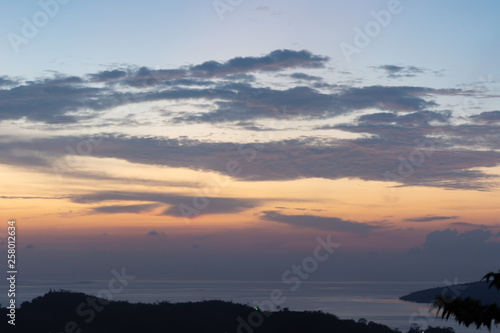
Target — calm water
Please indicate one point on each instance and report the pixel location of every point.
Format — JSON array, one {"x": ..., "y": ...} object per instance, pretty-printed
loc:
[{"x": 375, "y": 301}]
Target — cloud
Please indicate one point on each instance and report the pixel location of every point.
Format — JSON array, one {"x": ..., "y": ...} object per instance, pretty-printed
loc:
[
  {"x": 117, "y": 209},
  {"x": 241, "y": 102},
  {"x": 19, "y": 197},
  {"x": 180, "y": 206},
  {"x": 6, "y": 81},
  {"x": 452, "y": 243},
  {"x": 392, "y": 134},
  {"x": 394, "y": 72},
  {"x": 379, "y": 118},
  {"x": 244, "y": 102},
  {"x": 444, "y": 255},
  {"x": 233, "y": 100},
  {"x": 274, "y": 61},
  {"x": 50, "y": 102},
  {"x": 489, "y": 116},
  {"x": 305, "y": 77},
  {"x": 153, "y": 233},
  {"x": 65, "y": 100},
  {"x": 30, "y": 246},
  {"x": 246, "y": 78},
  {"x": 108, "y": 75},
  {"x": 447, "y": 147},
  {"x": 320, "y": 222},
  {"x": 369, "y": 158},
  {"x": 466, "y": 224},
  {"x": 402, "y": 98},
  {"x": 430, "y": 218},
  {"x": 419, "y": 118},
  {"x": 228, "y": 86},
  {"x": 210, "y": 206}
]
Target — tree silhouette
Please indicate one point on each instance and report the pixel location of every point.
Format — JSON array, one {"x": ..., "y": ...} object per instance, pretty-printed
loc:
[{"x": 469, "y": 311}]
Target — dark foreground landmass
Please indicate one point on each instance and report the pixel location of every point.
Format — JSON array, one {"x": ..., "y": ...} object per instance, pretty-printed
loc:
[
  {"x": 476, "y": 290},
  {"x": 72, "y": 312}
]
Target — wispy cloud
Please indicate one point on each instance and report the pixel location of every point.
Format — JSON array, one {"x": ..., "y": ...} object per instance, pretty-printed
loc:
[
  {"x": 394, "y": 72},
  {"x": 274, "y": 61},
  {"x": 117, "y": 209},
  {"x": 155, "y": 233},
  {"x": 305, "y": 77},
  {"x": 217, "y": 205},
  {"x": 489, "y": 116},
  {"x": 320, "y": 222},
  {"x": 430, "y": 218}
]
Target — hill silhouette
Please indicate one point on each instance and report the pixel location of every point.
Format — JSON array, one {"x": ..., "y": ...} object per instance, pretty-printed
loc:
[
  {"x": 476, "y": 290},
  {"x": 74, "y": 312}
]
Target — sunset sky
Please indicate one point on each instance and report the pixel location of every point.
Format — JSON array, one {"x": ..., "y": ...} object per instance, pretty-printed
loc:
[{"x": 220, "y": 139}]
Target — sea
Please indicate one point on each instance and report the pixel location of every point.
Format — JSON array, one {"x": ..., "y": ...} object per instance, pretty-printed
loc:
[{"x": 373, "y": 301}]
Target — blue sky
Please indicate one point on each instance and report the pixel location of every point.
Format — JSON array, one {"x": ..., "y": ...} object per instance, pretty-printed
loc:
[{"x": 458, "y": 37}]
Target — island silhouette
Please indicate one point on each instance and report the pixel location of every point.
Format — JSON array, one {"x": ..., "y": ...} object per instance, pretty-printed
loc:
[
  {"x": 74, "y": 312},
  {"x": 478, "y": 290}
]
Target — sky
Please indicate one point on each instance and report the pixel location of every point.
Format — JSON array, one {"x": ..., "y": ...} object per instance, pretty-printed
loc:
[{"x": 226, "y": 139}]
